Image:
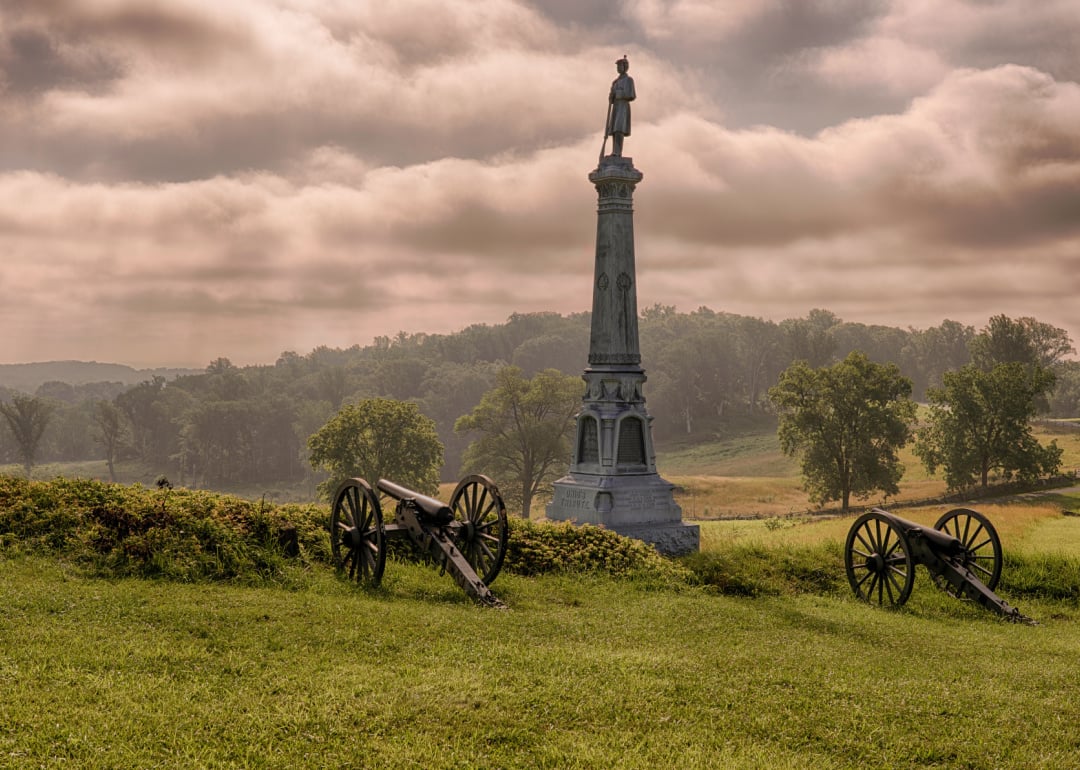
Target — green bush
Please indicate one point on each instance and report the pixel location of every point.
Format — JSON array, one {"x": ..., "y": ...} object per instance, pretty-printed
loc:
[
  {"x": 180, "y": 534},
  {"x": 536, "y": 548},
  {"x": 189, "y": 535}
]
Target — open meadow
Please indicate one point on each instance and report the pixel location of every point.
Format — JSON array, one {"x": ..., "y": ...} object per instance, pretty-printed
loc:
[
  {"x": 746, "y": 474},
  {"x": 583, "y": 671}
]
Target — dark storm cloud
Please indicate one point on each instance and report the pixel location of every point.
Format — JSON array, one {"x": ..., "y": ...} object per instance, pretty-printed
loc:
[{"x": 31, "y": 63}]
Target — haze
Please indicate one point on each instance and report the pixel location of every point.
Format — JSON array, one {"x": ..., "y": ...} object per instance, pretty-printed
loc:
[{"x": 187, "y": 179}]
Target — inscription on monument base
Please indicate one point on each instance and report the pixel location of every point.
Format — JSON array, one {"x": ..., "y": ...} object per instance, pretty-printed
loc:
[
  {"x": 569, "y": 499},
  {"x": 643, "y": 501}
]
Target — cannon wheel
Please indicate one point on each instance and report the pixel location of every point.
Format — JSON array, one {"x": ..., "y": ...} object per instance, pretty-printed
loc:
[
  {"x": 357, "y": 539},
  {"x": 483, "y": 532},
  {"x": 982, "y": 547},
  {"x": 878, "y": 561}
]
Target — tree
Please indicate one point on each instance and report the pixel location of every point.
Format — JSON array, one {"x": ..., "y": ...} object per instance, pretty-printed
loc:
[
  {"x": 378, "y": 438},
  {"x": 980, "y": 421},
  {"x": 112, "y": 432},
  {"x": 526, "y": 427},
  {"x": 810, "y": 339},
  {"x": 930, "y": 353},
  {"x": 759, "y": 348},
  {"x": 1024, "y": 340},
  {"x": 451, "y": 390},
  {"x": 1066, "y": 399},
  {"x": 846, "y": 422},
  {"x": 153, "y": 409},
  {"x": 27, "y": 419}
]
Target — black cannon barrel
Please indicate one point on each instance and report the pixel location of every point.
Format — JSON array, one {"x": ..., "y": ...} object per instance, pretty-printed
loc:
[
  {"x": 434, "y": 509},
  {"x": 942, "y": 542}
]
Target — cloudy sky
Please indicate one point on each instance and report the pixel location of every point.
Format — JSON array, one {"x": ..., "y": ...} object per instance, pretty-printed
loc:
[{"x": 187, "y": 179}]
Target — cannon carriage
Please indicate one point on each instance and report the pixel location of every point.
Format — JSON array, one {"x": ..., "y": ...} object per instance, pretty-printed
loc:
[
  {"x": 962, "y": 552},
  {"x": 466, "y": 537}
]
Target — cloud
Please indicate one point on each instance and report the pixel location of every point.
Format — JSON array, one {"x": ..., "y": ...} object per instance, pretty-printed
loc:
[
  {"x": 182, "y": 179},
  {"x": 208, "y": 88},
  {"x": 988, "y": 159}
]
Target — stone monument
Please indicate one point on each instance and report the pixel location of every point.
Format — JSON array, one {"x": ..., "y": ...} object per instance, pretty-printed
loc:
[{"x": 613, "y": 480}]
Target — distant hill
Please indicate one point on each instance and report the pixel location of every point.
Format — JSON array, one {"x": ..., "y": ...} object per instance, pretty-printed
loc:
[{"x": 29, "y": 377}]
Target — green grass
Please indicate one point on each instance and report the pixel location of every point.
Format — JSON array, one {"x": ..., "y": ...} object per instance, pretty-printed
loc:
[
  {"x": 299, "y": 668},
  {"x": 582, "y": 672},
  {"x": 753, "y": 454},
  {"x": 1059, "y": 535}
]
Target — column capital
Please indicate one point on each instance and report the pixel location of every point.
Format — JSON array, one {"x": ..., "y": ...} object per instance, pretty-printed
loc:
[{"x": 615, "y": 169}]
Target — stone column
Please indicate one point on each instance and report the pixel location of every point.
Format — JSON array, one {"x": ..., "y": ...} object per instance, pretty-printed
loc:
[{"x": 613, "y": 480}]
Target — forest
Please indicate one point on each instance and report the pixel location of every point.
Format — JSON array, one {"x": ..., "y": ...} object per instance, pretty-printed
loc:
[{"x": 708, "y": 372}]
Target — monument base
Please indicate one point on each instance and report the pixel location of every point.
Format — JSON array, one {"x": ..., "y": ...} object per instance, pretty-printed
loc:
[
  {"x": 638, "y": 506},
  {"x": 677, "y": 539}
]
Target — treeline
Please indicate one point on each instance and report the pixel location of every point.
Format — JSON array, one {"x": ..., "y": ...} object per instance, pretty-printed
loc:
[{"x": 239, "y": 425}]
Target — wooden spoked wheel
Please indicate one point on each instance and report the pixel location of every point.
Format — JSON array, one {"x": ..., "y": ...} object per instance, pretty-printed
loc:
[
  {"x": 982, "y": 547},
  {"x": 357, "y": 538},
  {"x": 878, "y": 561},
  {"x": 481, "y": 527}
]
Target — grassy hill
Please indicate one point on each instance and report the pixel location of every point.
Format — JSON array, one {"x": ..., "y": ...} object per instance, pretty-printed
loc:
[
  {"x": 744, "y": 473},
  {"x": 28, "y": 377},
  {"x": 584, "y": 671}
]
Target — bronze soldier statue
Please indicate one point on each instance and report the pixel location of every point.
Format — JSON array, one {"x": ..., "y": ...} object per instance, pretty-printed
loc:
[{"x": 622, "y": 93}]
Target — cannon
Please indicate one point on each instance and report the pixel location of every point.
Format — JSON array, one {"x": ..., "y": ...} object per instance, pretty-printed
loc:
[
  {"x": 962, "y": 552},
  {"x": 466, "y": 537}
]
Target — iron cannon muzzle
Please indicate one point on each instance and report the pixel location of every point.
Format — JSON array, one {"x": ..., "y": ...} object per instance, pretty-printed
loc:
[
  {"x": 941, "y": 542},
  {"x": 433, "y": 510}
]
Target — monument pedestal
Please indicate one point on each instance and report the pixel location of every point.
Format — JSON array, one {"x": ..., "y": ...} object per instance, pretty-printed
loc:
[
  {"x": 613, "y": 480},
  {"x": 641, "y": 507}
]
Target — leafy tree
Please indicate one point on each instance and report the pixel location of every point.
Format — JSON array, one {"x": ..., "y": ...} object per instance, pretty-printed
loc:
[
  {"x": 810, "y": 339},
  {"x": 1024, "y": 340},
  {"x": 1066, "y": 399},
  {"x": 154, "y": 410},
  {"x": 980, "y": 421},
  {"x": 526, "y": 427},
  {"x": 451, "y": 390},
  {"x": 679, "y": 386},
  {"x": 759, "y": 349},
  {"x": 240, "y": 441},
  {"x": 846, "y": 422},
  {"x": 27, "y": 417},
  {"x": 378, "y": 438},
  {"x": 112, "y": 432},
  {"x": 69, "y": 435},
  {"x": 57, "y": 391},
  {"x": 930, "y": 353}
]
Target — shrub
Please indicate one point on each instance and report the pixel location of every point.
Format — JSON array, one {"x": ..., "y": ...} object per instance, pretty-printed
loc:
[
  {"x": 536, "y": 548},
  {"x": 181, "y": 534}
]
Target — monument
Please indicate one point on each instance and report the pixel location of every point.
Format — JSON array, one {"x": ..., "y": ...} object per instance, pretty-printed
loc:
[{"x": 613, "y": 480}]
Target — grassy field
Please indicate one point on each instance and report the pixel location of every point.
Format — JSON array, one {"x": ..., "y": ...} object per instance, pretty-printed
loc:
[
  {"x": 582, "y": 672},
  {"x": 747, "y": 475}
]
